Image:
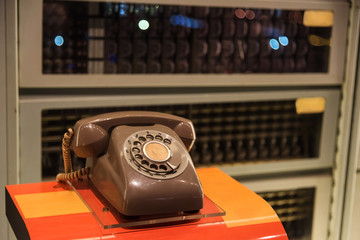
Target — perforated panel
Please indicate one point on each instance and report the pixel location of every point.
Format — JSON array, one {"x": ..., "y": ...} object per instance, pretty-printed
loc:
[
  {"x": 226, "y": 132},
  {"x": 91, "y": 37},
  {"x": 295, "y": 210}
]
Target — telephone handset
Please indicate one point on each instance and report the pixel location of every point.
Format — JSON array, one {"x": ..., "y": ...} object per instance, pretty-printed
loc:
[{"x": 139, "y": 161}]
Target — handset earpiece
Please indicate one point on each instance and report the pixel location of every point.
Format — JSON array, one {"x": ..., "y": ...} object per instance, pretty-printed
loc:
[
  {"x": 89, "y": 139},
  {"x": 186, "y": 133}
]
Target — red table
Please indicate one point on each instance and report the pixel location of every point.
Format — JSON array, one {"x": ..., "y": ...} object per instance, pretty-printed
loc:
[{"x": 54, "y": 210}]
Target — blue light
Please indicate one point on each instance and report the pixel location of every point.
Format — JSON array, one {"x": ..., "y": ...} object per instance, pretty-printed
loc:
[
  {"x": 113, "y": 58},
  {"x": 143, "y": 24},
  {"x": 59, "y": 40},
  {"x": 180, "y": 20},
  {"x": 283, "y": 40},
  {"x": 274, "y": 44},
  {"x": 189, "y": 22},
  {"x": 123, "y": 9},
  {"x": 122, "y": 12},
  {"x": 174, "y": 20},
  {"x": 278, "y": 13}
]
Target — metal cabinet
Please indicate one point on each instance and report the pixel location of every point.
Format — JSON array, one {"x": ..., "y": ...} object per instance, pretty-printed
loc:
[{"x": 237, "y": 69}]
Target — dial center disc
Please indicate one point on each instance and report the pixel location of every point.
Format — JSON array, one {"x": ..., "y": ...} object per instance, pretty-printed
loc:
[{"x": 156, "y": 151}]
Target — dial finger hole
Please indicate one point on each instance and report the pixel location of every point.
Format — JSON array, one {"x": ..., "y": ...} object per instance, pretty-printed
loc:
[
  {"x": 143, "y": 139},
  {"x": 135, "y": 150},
  {"x": 150, "y": 137},
  {"x": 158, "y": 137},
  {"x": 167, "y": 141},
  {"x": 144, "y": 162},
  {"x": 154, "y": 166},
  {"x": 137, "y": 143},
  {"x": 138, "y": 156},
  {"x": 163, "y": 167}
]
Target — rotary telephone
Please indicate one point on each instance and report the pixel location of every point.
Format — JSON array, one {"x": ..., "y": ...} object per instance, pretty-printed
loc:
[{"x": 137, "y": 160}]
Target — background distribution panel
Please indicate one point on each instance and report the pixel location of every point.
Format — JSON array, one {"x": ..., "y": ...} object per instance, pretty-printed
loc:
[
  {"x": 252, "y": 43},
  {"x": 301, "y": 202},
  {"x": 245, "y": 133},
  {"x": 295, "y": 209},
  {"x": 231, "y": 132},
  {"x": 128, "y": 38}
]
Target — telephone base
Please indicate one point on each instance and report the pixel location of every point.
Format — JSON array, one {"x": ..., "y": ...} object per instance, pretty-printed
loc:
[{"x": 109, "y": 218}]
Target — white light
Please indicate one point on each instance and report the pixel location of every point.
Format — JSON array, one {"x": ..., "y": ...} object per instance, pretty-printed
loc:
[{"x": 143, "y": 24}]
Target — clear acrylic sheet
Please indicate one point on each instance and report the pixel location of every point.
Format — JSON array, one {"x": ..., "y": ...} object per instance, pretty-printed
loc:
[{"x": 109, "y": 218}]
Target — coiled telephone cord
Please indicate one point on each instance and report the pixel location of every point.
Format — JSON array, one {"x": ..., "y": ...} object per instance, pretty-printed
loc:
[
  {"x": 69, "y": 173},
  {"x": 63, "y": 177},
  {"x": 66, "y": 142}
]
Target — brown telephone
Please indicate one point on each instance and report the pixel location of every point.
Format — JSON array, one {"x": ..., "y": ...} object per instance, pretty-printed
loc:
[{"x": 138, "y": 161}]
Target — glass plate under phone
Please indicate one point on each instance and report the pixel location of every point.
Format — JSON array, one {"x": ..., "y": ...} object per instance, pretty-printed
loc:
[{"x": 109, "y": 218}]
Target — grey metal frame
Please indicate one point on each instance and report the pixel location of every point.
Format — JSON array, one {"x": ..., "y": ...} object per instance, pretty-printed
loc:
[
  {"x": 31, "y": 108},
  {"x": 8, "y": 105},
  {"x": 352, "y": 188},
  {"x": 350, "y": 204},
  {"x": 3, "y": 120},
  {"x": 343, "y": 170},
  {"x": 351, "y": 230},
  {"x": 31, "y": 52}
]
